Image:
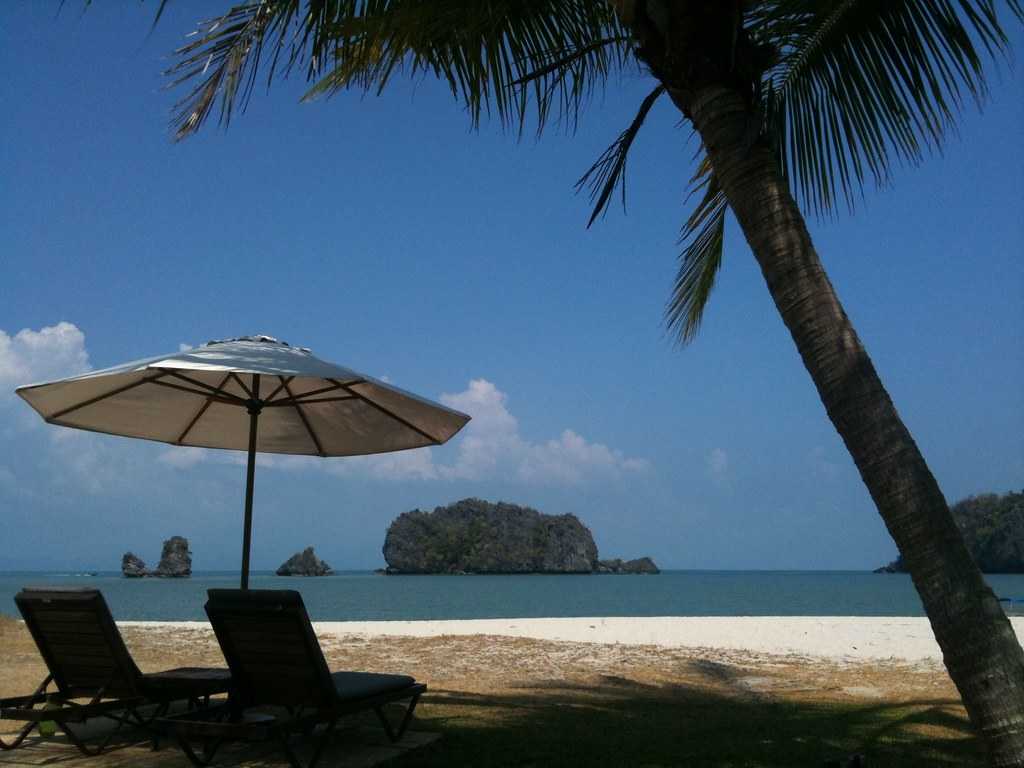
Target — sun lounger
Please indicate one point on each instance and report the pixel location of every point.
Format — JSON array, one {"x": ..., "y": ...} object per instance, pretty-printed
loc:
[
  {"x": 278, "y": 666},
  {"x": 91, "y": 674}
]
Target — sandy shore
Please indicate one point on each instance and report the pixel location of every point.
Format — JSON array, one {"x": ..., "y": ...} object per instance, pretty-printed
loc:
[
  {"x": 769, "y": 691},
  {"x": 832, "y": 637}
]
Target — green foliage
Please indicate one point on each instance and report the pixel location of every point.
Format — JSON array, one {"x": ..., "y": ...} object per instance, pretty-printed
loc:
[
  {"x": 609, "y": 172},
  {"x": 993, "y": 529},
  {"x": 504, "y": 55},
  {"x": 701, "y": 259},
  {"x": 862, "y": 84},
  {"x": 848, "y": 89},
  {"x": 615, "y": 720}
]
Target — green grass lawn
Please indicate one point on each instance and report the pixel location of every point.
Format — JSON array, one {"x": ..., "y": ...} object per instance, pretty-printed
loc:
[{"x": 623, "y": 723}]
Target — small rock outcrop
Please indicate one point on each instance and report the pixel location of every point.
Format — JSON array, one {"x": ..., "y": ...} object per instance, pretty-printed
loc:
[
  {"x": 304, "y": 563},
  {"x": 132, "y": 566},
  {"x": 175, "y": 562},
  {"x": 175, "y": 559},
  {"x": 640, "y": 565}
]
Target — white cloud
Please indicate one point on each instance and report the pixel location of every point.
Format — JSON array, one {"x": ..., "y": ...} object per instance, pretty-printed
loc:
[
  {"x": 570, "y": 459},
  {"x": 490, "y": 447},
  {"x": 493, "y": 447},
  {"x": 183, "y": 347},
  {"x": 402, "y": 465},
  {"x": 718, "y": 464},
  {"x": 52, "y": 352},
  {"x": 492, "y": 437},
  {"x": 182, "y": 457}
]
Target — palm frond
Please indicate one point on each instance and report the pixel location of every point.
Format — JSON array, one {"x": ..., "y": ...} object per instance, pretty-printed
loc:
[
  {"x": 523, "y": 59},
  {"x": 862, "y": 85},
  {"x": 609, "y": 170},
  {"x": 704, "y": 233},
  {"x": 223, "y": 61}
]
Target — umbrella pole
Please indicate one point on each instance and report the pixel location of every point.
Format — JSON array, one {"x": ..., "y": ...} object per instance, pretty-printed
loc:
[{"x": 250, "y": 475}]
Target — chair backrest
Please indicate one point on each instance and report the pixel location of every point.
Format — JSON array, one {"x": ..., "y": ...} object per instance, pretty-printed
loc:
[
  {"x": 79, "y": 641},
  {"x": 270, "y": 646}
]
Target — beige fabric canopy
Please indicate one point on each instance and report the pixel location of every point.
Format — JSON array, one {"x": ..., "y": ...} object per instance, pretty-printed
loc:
[
  {"x": 252, "y": 393},
  {"x": 201, "y": 398}
]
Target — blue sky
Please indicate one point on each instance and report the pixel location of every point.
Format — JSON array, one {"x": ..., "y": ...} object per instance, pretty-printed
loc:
[{"x": 387, "y": 236}]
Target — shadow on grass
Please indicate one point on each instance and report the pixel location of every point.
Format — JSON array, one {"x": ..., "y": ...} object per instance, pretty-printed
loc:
[{"x": 618, "y": 722}]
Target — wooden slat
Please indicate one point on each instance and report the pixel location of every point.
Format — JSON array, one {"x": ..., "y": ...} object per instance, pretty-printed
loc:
[{"x": 86, "y": 620}]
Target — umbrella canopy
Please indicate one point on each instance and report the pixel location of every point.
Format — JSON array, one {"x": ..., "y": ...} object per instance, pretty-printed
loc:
[{"x": 253, "y": 393}]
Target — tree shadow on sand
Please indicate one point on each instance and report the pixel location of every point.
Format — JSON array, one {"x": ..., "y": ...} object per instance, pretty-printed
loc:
[{"x": 619, "y": 722}]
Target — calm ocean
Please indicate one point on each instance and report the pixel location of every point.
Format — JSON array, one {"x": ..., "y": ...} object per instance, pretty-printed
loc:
[{"x": 361, "y": 595}]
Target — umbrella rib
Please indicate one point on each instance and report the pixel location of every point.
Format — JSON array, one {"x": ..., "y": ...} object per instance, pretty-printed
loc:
[
  {"x": 117, "y": 391},
  {"x": 288, "y": 400},
  {"x": 387, "y": 412},
  {"x": 245, "y": 389},
  {"x": 284, "y": 381},
  {"x": 302, "y": 401},
  {"x": 202, "y": 410},
  {"x": 305, "y": 421},
  {"x": 203, "y": 385},
  {"x": 222, "y": 397}
]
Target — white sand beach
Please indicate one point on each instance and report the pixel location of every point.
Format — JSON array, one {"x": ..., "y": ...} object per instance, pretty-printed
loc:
[
  {"x": 860, "y": 638},
  {"x": 824, "y": 687}
]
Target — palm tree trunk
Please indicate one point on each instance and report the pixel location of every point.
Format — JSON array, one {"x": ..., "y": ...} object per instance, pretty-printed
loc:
[{"x": 978, "y": 643}]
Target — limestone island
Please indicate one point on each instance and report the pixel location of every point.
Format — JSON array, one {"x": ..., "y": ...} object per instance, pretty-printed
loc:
[
  {"x": 473, "y": 536},
  {"x": 304, "y": 563},
  {"x": 993, "y": 529},
  {"x": 175, "y": 562}
]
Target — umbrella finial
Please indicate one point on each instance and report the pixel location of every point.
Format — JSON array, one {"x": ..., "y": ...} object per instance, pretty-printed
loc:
[{"x": 259, "y": 338}]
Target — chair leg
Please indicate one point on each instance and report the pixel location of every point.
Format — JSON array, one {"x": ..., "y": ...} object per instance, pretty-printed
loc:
[
  {"x": 129, "y": 717},
  {"x": 209, "y": 751},
  {"x": 25, "y": 731},
  {"x": 148, "y": 723},
  {"x": 321, "y": 744},
  {"x": 83, "y": 747},
  {"x": 393, "y": 735},
  {"x": 38, "y": 697}
]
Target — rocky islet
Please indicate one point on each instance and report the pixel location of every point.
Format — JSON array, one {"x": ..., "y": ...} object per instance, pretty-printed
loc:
[
  {"x": 175, "y": 562},
  {"x": 477, "y": 536},
  {"x": 304, "y": 563}
]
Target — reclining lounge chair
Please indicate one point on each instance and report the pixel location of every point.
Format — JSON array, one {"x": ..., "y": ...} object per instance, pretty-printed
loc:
[
  {"x": 276, "y": 662},
  {"x": 91, "y": 674}
]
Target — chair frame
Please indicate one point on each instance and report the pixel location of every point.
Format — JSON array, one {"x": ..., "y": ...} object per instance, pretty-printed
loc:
[
  {"x": 201, "y": 734},
  {"x": 62, "y": 700}
]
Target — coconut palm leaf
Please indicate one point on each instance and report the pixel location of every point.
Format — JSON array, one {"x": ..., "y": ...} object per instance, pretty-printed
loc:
[
  {"x": 701, "y": 259},
  {"x": 525, "y": 59},
  {"x": 225, "y": 59},
  {"x": 857, "y": 87},
  {"x": 609, "y": 170},
  {"x": 862, "y": 85},
  {"x": 853, "y": 87}
]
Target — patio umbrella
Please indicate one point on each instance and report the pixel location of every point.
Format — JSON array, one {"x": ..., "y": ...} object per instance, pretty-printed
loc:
[{"x": 254, "y": 394}]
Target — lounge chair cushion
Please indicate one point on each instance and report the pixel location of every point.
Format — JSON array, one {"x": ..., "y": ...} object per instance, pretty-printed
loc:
[
  {"x": 186, "y": 682},
  {"x": 352, "y": 686}
]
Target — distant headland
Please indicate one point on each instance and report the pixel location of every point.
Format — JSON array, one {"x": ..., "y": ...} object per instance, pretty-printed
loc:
[
  {"x": 476, "y": 536},
  {"x": 993, "y": 528}
]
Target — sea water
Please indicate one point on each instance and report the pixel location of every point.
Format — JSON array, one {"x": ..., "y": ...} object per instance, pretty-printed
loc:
[{"x": 362, "y": 595}]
